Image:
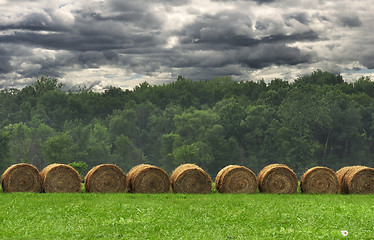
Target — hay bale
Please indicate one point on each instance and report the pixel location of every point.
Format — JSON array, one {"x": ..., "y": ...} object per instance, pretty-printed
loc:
[
  {"x": 356, "y": 179},
  {"x": 21, "y": 177},
  {"x": 145, "y": 178},
  {"x": 319, "y": 180},
  {"x": 236, "y": 179},
  {"x": 277, "y": 178},
  {"x": 60, "y": 178},
  {"x": 190, "y": 178},
  {"x": 105, "y": 178}
]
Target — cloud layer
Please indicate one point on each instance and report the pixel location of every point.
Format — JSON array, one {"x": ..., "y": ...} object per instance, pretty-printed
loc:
[{"x": 122, "y": 43}]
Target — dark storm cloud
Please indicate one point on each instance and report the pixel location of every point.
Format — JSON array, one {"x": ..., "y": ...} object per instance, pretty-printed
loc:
[
  {"x": 265, "y": 55},
  {"x": 368, "y": 59},
  {"x": 233, "y": 29},
  {"x": 350, "y": 21},
  {"x": 44, "y": 21},
  {"x": 231, "y": 39},
  {"x": 90, "y": 31},
  {"x": 222, "y": 28},
  {"x": 66, "y": 41},
  {"x": 257, "y": 57},
  {"x": 34, "y": 22},
  {"x": 258, "y": 1},
  {"x": 5, "y": 58},
  {"x": 198, "y": 39},
  {"x": 302, "y": 18},
  {"x": 93, "y": 39},
  {"x": 223, "y": 40}
]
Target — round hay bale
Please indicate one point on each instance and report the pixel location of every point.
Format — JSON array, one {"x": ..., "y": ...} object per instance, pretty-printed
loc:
[
  {"x": 356, "y": 179},
  {"x": 60, "y": 178},
  {"x": 319, "y": 180},
  {"x": 190, "y": 178},
  {"x": 105, "y": 178},
  {"x": 21, "y": 177},
  {"x": 340, "y": 175},
  {"x": 277, "y": 178},
  {"x": 145, "y": 178},
  {"x": 236, "y": 179}
]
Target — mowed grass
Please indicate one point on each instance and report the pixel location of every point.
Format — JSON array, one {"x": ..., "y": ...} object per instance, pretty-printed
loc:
[{"x": 178, "y": 216}]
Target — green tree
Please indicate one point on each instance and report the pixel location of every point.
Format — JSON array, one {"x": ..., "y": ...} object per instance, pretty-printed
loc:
[
  {"x": 58, "y": 149},
  {"x": 81, "y": 167},
  {"x": 5, "y": 161}
]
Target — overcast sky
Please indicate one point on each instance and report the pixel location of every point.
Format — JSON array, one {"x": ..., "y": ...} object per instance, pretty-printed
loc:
[{"x": 123, "y": 43}]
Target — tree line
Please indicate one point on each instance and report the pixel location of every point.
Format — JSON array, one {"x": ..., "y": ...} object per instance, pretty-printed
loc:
[{"x": 317, "y": 119}]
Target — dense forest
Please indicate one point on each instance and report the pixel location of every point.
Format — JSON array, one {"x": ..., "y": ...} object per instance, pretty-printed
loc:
[{"x": 317, "y": 119}]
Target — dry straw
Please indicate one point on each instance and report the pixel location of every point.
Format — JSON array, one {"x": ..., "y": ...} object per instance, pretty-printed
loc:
[
  {"x": 319, "y": 180},
  {"x": 105, "y": 178},
  {"x": 21, "y": 177},
  {"x": 277, "y": 178},
  {"x": 190, "y": 178},
  {"x": 236, "y": 179},
  {"x": 145, "y": 178},
  {"x": 60, "y": 178},
  {"x": 356, "y": 179}
]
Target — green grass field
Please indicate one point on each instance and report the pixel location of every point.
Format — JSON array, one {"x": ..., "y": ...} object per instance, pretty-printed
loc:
[{"x": 178, "y": 216}]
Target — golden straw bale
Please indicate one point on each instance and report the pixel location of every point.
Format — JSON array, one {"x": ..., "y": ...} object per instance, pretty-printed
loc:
[
  {"x": 340, "y": 174},
  {"x": 145, "y": 178},
  {"x": 319, "y": 180},
  {"x": 236, "y": 179},
  {"x": 356, "y": 179},
  {"x": 21, "y": 177},
  {"x": 190, "y": 178},
  {"x": 105, "y": 178},
  {"x": 277, "y": 178},
  {"x": 60, "y": 178}
]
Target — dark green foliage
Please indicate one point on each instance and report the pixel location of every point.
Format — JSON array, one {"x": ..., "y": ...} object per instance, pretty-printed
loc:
[
  {"x": 4, "y": 151},
  {"x": 317, "y": 120},
  {"x": 81, "y": 167}
]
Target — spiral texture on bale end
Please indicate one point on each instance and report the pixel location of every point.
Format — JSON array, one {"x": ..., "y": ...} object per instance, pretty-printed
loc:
[
  {"x": 236, "y": 179},
  {"x": 319, "y": 180},
  {"x": 21, "y": 177},
  {"x": 277, "y": 178},
  {"x": 190, "y": 178},
  {"x": 105, "y": 178},
  {"x": 60, "y": 178},
  {"x": 356, "y": 180},
  {"x": 145, "y": 178}
]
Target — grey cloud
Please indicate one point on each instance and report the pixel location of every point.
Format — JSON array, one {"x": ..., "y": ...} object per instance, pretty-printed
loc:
[
  {"x": 233, "y": 29},
  {"x": 89, "y": 32},
  {"x": 135, "y": 36},
  {"x": 350, "y": 21},
  {"x": 143, "y": 4},
  {"x": 5, "y": 65},
  {"x": 368, "y": 60},
  {"x": 302, "y": 18},
  {"x": 265, "y": 55},
  {"x": 224, "y": 27},
  {"x": 45, "y": 21},
  {"x": 257, "y": 1}
]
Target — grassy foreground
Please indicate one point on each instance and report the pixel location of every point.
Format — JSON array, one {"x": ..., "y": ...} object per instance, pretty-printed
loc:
[{"x": 177, "y": 216}]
